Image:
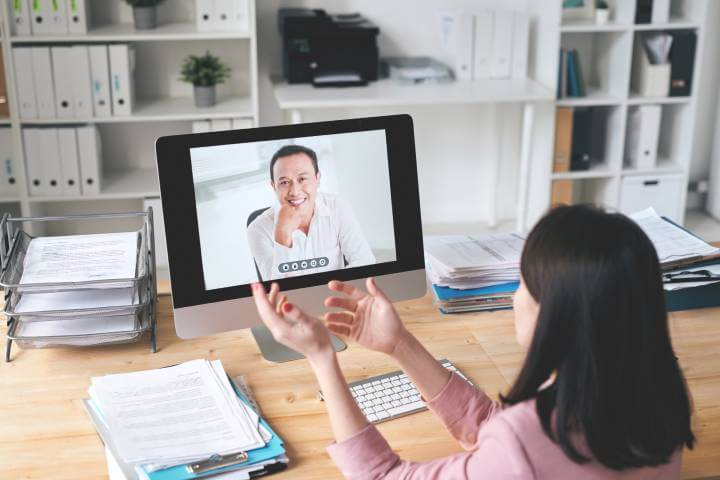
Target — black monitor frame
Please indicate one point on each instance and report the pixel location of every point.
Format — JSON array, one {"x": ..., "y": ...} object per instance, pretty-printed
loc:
[{"x": 180, "y": 213}]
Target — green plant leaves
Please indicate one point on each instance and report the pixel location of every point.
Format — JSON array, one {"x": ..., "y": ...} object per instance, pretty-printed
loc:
[{"x": 204, "y": 70}]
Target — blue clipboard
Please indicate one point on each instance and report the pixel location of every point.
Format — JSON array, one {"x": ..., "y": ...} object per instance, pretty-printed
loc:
[{"x": 274, "y": 448}]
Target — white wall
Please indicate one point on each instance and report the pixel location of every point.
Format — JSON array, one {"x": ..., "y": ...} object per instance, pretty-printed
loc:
[{"x": 455, "y": 144}]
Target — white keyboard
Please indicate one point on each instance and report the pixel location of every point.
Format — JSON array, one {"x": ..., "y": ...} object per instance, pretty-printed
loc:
[{"x": 392, "y": 395}]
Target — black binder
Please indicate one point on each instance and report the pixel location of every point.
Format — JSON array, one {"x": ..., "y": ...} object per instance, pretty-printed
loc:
[
  {"x": 682, "y": 62},
  {"x": 643, "y": 11},
  {"x": 582, "y": 135}
]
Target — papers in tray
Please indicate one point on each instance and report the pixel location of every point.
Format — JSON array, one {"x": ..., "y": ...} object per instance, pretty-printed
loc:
[{"x": 159, "y": 421}]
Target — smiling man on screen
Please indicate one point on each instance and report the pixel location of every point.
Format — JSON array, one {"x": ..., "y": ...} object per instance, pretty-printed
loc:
[{"x": 308, "y": 231}]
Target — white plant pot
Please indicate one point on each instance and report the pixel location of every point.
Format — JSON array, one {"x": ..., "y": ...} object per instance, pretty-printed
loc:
[{"x": 602, "y": 16}]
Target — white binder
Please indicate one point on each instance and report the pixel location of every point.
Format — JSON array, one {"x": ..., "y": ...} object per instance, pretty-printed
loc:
[
  {"x": 240, "y": 123},
  {"x": 20, "y": 19},
  {"x": 77, "y": 15},
  {"x": 660, "y": 11},
  {"x": 62, "y": 74},
  {"x": 200, "y": 126},
  {"x": 25, "y": 85},
  {"x": 50, "y": 162},
  {"x": 241, "y": 15},
  {"x": 58, "y": 16},
  {"x": 457, "y": 41},
  {"x": 122, "y": 64},
  {"x": 643, "y": 136},
  {"x": 205, "y": 15},
  {"x": 69, "y": 161},
  {"x": 502, "y": 44},
  {"x": 218, "y": 124},
  {"x": 8, "y": 181},
  {"x": 520, "y": 45},
  {"x": 43, "y": 81},
  {"x": 40, "y": 17},
  {"x": 224, "y": 15},
  {"x": 33, "y": 160},
  {"x": 484, "y": 25},
  {"x": 89, "y": 148},
  {"x": 81, "y": 84},
  {"x": 100, "y": 80}
]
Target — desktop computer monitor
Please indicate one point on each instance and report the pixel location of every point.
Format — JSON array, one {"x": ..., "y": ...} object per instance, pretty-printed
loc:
[{"x": 298, "y": 204}]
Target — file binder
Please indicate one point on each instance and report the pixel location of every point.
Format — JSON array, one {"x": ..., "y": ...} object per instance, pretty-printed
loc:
[
  {"x": 24, "y": 82},
  {"x": 122, "y": 64},
  {"x": 69, "y": 162},
  {"x": 81, "y": 84},
  {"x": 241, "y": 15},
  {"x": 218, "y": 124},
  {"x": 50, "y": 162},
  {"x": 502, "y": 44},
  {"x": 77, "y": 15},
  {"x": 43, "y": 82},
  {"x": 520, "y": 45},
  {"x": 40, "y": 17},
  {"x": 660, "y": 11},
  {"x": 20, "y": 17},
  {"x": 200, "y": 126},
  {"x": 8, "y": 183},
  {"x": 457, "y": 38},
  {"x": 100, "y": 79},
  {"x": 4, "y": 107},
  {"x": 224, "y": 15},
  {"x": 205, "y": 15},
  {"x": 563, "y": 139},
  {"x": 484, "y": 32},
  {"x": 62, "y": 66},
  {"x": 240, "y": 123},
  {"x": 582, "y": 137},
  {"x": 58, "y": 16},
  {"x": 33, "y": 160},
  {"x": 89, "y": 148},
  {"x": 682, "y": 61},
  {"x": 643, "y": 136}
]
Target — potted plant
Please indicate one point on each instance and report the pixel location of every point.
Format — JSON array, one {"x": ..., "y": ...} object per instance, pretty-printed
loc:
[
  {"x": 144, "y": 13},
  {"x": 602, "y": 12},
  {"x": 204, "y": 72}
]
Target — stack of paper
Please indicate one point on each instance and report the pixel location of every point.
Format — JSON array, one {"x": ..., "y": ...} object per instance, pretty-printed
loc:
[
  {"x": 687, "y": 261},
  {"x": 161, "y": 424},
  {"x": 472, "y": 273}
]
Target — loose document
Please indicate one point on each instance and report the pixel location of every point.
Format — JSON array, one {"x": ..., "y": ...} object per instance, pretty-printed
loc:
[{"x": 175, "y": 415}]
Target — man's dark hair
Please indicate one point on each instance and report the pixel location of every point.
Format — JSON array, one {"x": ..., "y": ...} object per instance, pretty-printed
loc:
[
  {"x": 288, "y": 150},
  {"x": 603, "y": 329}
]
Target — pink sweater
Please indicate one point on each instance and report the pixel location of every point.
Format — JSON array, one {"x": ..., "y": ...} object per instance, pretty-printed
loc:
[{"x": 501, "y": 443}]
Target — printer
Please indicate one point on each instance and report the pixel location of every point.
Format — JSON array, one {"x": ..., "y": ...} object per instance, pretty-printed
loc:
[{"x": 328, "y": 50}]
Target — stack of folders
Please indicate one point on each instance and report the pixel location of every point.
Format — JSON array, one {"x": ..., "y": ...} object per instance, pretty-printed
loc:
[
  {"x": 74, "y": 81},
  {"x": 485, "y": 43},
  {"x": 182, "y": 422},
  {"x": 49, "y": 17},
  {"x": 691, "y": 266},
  {"x": 571, "y": 82},
  {"x": 63, "y": 161},
  {"x": 473, "y": 273}
]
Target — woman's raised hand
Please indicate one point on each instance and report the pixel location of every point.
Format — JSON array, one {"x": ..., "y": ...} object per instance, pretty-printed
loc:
[
  {"x": 291, "y": 326},
  {"x": 368, "y": 318}
]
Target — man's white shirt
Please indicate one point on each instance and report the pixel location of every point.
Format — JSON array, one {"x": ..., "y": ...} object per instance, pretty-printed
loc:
[{"x": 334, "y": 237}]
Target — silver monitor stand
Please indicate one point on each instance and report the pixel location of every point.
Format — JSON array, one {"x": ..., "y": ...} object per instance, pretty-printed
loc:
[{"x": 276, "y": 352}]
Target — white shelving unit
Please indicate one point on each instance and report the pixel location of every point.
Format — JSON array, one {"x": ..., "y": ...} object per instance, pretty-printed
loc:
[
  {"x": 163, "y": 106},
  {"x": 606, "y": 56}
]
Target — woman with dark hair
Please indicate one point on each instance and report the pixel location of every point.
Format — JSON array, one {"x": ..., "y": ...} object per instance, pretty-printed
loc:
[{"x": 600, "y": 394}]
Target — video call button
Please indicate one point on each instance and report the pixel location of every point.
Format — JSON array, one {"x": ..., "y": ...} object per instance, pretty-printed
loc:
[{"x": 304, "y": 264}]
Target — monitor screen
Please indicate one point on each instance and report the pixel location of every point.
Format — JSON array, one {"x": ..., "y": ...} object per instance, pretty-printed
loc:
[
  {"x": 298, "y": 204},
  {"x": 290, "y": 207}
]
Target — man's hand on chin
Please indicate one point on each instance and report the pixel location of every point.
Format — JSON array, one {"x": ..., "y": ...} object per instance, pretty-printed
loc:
[{"x": 287, "y": 222}]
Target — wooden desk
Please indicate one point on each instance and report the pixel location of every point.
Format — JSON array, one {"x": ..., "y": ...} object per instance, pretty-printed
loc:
[{"x": 44, "y": 432}]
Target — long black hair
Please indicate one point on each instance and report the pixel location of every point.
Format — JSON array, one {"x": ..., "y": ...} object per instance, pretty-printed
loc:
[{"x": 602, "y": 329}]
